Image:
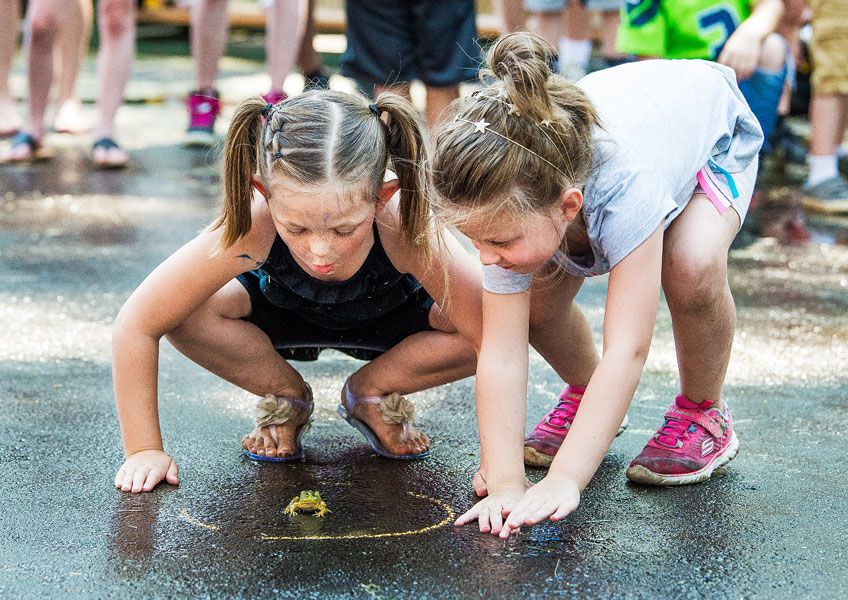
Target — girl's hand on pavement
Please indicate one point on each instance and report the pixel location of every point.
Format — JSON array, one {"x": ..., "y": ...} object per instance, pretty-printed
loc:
[
  {"x": 142, "y": 470},
  {"x": 491, "y": 510},
  {"x": 552, "y": 497}
]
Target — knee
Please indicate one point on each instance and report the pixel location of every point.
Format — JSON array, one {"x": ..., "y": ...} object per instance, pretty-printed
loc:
[
  {"x": 42, "y": 29},
  {"x": 695, "y": 283},
  {"x": 773, "y": 56},
  {"x": 115, "y": 18}
]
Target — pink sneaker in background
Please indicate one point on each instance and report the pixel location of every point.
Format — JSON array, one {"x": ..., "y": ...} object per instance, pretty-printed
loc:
[
  {"x": 203, "y": 108},
  {"x": 275, "y": 96},
  {"x": 695, "y": 440},
  {"x": 544, "y": 441}
]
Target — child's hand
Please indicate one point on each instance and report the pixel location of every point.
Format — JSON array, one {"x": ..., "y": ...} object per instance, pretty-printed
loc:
[
  {"x": 143, "y": 470},
  {"x": 552, "y": 497},
  {"x": 491, "y": 510},
  {"x": 741, "y": 53}
]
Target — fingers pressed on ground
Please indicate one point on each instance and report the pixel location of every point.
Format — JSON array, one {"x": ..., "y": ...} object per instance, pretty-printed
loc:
[
  {"x": 154, "y": 477},
  {"x": 138, "y": 479},
  {"x": 173, "y": 475},
  {"x": 483, "y": 520}
]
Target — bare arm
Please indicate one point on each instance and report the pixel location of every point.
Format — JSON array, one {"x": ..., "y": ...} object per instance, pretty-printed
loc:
[
  {"x": 630, "y": 314},
  {"x": 174, "y": 290},
  {"x": 743, "y": 48}
]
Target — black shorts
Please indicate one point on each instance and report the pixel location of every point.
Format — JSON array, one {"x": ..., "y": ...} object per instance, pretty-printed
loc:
[
  {"x": 396, "y": 41},
  {"x": 295, "y": 338}
]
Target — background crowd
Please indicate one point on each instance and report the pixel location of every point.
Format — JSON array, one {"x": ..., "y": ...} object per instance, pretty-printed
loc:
[{"x": 790, "y": 57}]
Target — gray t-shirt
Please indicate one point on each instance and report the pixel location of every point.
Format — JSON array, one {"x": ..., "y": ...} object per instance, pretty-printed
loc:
[{"x": 662, "y": 120}]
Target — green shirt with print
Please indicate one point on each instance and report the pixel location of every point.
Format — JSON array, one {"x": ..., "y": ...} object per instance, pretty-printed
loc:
[{"x": 679, "y": 28}]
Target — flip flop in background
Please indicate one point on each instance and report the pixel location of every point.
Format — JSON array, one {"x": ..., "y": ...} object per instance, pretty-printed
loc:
[
  {"x": 396, "y": 410},
  {"x": 277, "y": 410},
  {"x": 35, "y": 150},
  {"x": 107, "y": 147}
]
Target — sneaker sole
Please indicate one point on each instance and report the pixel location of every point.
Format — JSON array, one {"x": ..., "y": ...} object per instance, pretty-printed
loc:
[
  {"x": 640, "y": 474},
  {"x": 829, "y": 207},
  {"x": 534, "y": 458}
]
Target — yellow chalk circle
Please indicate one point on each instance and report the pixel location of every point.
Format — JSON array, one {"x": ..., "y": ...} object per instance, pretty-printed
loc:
[{"x": 450, "y": 516}]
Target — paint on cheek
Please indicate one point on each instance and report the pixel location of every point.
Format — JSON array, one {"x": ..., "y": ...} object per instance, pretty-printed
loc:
[{"x": 325, "y": 218}]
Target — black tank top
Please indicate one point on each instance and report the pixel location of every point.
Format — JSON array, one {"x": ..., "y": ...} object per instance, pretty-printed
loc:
[{"x": 375, "y": 289}]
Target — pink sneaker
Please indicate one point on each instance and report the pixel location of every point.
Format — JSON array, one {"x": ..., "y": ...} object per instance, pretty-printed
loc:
[
  {"x": 544, "y": 441},
  {"x": 275, "y": 96},
  {"x": 203, "y": 108},
  {"x": 695, "y": 440}
]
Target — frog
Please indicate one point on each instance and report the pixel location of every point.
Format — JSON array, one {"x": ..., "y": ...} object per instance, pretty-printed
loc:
[{"x": 307, "y": 501}]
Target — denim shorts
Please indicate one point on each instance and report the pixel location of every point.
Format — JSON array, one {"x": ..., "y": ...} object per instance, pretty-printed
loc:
[
  {"x": 762, "y": 90},
  {"x": 295, "y": 338},
  {"x": 397, "y": 41}
]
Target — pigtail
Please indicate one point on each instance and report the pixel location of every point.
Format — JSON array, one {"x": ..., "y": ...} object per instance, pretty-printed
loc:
[
  {"x": 407, "y": 150},
  {"x": 242, "y": 148}
]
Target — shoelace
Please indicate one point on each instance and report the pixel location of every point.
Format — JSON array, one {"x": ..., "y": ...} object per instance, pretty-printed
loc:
[
  {"x": 674, "y": 433},
  {"x": 563, "y": 413}
]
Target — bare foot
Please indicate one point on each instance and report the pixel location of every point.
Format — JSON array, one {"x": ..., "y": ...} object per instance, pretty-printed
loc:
[
  {"x": 277, "y": 440},
  {"x": 10, "y": 120},
  {"x": 391, "y": 436},
  {"x": 70, "y": 119}
]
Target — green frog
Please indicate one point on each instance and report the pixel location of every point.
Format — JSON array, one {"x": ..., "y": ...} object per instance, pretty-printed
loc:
[{"x": 307, "y": 501}]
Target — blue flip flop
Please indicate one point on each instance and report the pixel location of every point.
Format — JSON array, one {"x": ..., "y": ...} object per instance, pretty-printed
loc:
[
  {"x": 345, "y": 410},
  {"x": 276, "y": 410}
]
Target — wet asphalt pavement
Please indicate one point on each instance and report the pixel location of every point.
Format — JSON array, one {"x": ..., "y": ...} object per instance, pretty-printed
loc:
[{"x": 74, "y": 243}]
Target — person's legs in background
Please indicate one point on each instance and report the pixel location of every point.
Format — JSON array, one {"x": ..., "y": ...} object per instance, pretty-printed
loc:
[
  {"x": 116, "y": 24},
  {"x": 74, "y": 38},
  {"x": 512, "y": 15},
  {"x": 42, "y": 26},
  {"x": 209, "y": 29},
  {"x": 308, "y": 59},
  {"x": 283, "y": 35},
  {"x": 825, "y": 189},
  {"x": 10, "y": 10}
]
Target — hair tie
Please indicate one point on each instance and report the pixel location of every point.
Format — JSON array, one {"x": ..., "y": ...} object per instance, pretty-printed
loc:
[
  {"x": 267, "y": 110},
  {"x": 375, "y": 109}
]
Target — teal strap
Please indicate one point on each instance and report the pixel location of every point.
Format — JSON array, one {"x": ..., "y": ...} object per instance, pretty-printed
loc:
[{"x": 730, "y": 182}]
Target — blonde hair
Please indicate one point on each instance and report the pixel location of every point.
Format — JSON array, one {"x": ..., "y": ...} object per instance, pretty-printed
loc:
[
  {"x": 519, "y": 142},
  {"x": 321, "y": 138}
]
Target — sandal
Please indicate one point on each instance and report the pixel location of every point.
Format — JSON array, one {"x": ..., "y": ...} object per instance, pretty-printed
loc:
[
  {"x": 35, "y": 149},
  {"x": 396, "y": 410},
  {"x": 274, "y": 410},
  {"x": 107, "y": 144}
]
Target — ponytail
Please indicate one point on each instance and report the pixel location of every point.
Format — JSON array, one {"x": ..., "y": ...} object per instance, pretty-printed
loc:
[
  {"x": 242, "y": 148},
  {"x": 408, "y": 152}
]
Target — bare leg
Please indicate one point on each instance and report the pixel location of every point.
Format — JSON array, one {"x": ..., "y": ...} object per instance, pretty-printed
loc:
[
  {"x": 10, "y": 120},
  {"x": 209, "y": 27},
  {"x": 282, "y": 40},
  {"x": 609, "y": 31},
  {"x": 308, "y": 59},
  {"x": 438, "y": 99},
  {"x": 116, "y": 23},
  {"x": 828, "y": 113},
  {"x": 43, "y": 18},
  {"x": 549, "y": 25},
  {"x": 217, "y": 339},
  {"x": 560, "y": 332},
  {"x": 74, "y": 37},
  {"x": 694, "y": 278},
  {"x": 512, "y": 15},
  {"x": 421, "y": 361}
]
